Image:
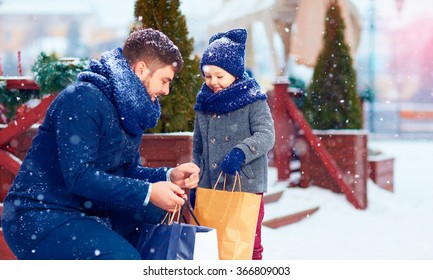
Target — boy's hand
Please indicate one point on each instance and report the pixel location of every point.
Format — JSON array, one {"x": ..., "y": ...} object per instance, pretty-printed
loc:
[{"x": 232, "y": 161}]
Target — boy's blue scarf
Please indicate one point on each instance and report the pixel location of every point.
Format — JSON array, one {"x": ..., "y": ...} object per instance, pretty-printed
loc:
[
  {"x": 242, "y": 92},
  {"x": 114, "y": 77}
]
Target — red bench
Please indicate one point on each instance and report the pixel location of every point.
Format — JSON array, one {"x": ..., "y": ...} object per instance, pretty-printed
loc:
[{"x": 381, "y": 171}]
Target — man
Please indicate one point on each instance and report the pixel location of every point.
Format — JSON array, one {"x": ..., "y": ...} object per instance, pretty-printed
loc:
[{"x": 81, "y": 192}]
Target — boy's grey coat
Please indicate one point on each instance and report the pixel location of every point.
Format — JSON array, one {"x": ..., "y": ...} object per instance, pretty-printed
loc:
[{"x": 250, "y": 129}]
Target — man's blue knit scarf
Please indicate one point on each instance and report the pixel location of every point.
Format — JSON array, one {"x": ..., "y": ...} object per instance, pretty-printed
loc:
[
  {"x": 242, "y": 92},
  {"x": 114, "y": 77}
]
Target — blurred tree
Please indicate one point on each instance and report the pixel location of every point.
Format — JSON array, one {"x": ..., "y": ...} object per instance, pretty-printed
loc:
[
  {"x": 51, "y": 75},
  {"x": 12, "y": 99},
  {"x": 177, "y": 110},
  {"x": 332, "y": 101}
]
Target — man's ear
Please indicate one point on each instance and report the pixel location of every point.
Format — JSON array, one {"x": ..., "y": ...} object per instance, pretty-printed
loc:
[{"x": 141, "y": 70}]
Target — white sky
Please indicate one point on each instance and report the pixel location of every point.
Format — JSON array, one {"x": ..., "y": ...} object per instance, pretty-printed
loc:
[{"x": 120, "y": 12}]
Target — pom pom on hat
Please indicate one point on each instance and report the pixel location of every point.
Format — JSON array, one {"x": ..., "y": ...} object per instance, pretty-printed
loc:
[{"x": 227, "y": 51}]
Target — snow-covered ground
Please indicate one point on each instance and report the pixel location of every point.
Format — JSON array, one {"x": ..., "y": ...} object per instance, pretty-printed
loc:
[{"x": 395, "y": 226}]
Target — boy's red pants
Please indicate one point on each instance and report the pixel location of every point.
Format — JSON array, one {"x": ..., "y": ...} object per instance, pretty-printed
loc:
[{"x": 258, "y": 248}]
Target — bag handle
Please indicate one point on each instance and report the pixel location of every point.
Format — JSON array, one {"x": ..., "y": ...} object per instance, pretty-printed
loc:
[
  {"x": 238, "y": 176},
  {"x": 219, "y": 177},
  {"x": 169, "y": 217},
  {"x": 188, "y": 205},
  {"x": 237, "y": 179}
]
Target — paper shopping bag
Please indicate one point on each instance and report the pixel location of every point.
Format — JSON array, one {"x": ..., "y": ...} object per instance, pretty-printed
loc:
[
  {"x": 206, "y": 243},
  {"x": 171, "y": 240},
  {"x": 166, "y": 242},
  {"x": 234, "y": 215},
  {"x": 206, "y": 239}
]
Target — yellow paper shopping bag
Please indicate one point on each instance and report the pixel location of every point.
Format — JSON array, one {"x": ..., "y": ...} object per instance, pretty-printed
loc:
[{"x": 233, "y": 214}]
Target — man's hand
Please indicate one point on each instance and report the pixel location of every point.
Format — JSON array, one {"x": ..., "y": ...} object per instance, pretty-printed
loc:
[
  {"x": 167, "y": 195},
  {"x": 185, "y": 175}
]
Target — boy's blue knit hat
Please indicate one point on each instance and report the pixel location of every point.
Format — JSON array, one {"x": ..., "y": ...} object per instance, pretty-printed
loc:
[{"x": 227, "y": 51}]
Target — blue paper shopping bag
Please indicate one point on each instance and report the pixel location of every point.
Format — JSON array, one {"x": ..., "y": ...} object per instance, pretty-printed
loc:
[
  {"x": 172, "y": 240},
  {"x": 167, "y": 242}
]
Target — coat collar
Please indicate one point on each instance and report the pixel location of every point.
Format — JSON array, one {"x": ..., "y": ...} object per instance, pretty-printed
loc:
[
  {"x": 115, "y": 78},
  {"x": 242, "y": 92}
]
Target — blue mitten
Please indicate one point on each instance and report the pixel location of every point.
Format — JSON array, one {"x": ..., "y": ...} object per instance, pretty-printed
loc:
[{"x": 232, "y": 161}]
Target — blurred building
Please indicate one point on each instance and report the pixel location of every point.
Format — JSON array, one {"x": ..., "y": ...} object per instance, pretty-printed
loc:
[
  {"x": 282, "y": 29},
  {"x": 68, "y": 29}
]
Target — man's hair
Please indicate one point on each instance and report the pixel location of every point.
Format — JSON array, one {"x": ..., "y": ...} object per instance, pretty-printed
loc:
[{"x": 154, "y": 48}]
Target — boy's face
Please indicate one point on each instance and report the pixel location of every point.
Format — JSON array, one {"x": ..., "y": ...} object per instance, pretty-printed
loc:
[
  {"x": 217, "y": 78},
  {"x": 156, "y": 82}
]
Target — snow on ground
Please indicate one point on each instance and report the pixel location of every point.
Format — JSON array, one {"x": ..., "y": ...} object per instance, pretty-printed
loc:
[{"x": 395, "y": 226}]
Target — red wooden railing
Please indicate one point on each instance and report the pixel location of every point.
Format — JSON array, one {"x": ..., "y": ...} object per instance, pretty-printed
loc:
[
  {"x": 19, "y": 125},
  {"x": 285, "y": 110}
]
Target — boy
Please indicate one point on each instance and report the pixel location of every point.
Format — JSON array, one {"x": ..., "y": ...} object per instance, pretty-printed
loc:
[{"x": 234, "y": 129}]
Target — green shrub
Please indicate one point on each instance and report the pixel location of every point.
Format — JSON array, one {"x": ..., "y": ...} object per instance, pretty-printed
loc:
[{"x": 332, "y": 101}]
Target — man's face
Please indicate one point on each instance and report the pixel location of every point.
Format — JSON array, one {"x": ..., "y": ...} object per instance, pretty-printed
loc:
[{"x": 157, "y": 82}]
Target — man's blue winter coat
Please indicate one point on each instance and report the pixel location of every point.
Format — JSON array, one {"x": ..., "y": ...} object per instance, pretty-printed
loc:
[{"x": 82, "y": 163}]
